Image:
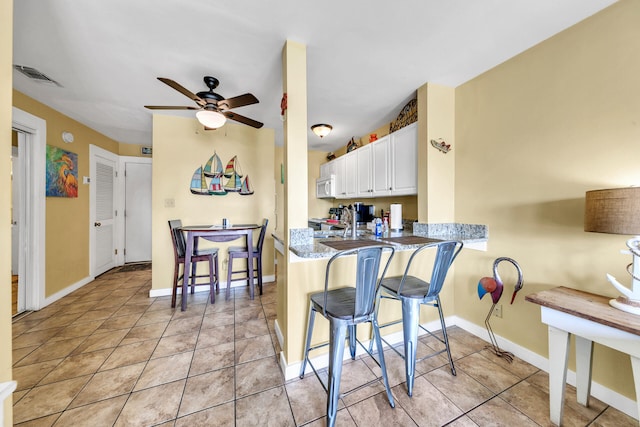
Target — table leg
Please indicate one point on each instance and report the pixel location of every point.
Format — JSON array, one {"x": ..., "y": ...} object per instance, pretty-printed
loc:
[
  {"x": 584, "y": 361},
  {"x": 187, "y": 266},
  {"x": 635, "y": 367},
  {"x": 558, "y": 354},
  {"x": 250, "y": 262}
]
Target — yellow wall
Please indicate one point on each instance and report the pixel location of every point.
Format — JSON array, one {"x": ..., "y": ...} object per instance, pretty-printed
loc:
[
  {"x": 180, "y": 146},
  {"x": 132, "y": 150},
  {"x": 67, "y": 219},
  {"x": 532, "y": 135},
  {"x": 6, "y": 82}
]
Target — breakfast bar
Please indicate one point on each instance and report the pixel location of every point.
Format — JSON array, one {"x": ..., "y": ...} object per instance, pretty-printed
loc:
[{"x": 309, "y": 252}]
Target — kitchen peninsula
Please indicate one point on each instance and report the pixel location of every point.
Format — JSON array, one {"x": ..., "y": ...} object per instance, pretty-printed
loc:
[{"x": 308, "y": 256}]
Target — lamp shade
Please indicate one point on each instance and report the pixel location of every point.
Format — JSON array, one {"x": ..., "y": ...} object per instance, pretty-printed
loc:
[
  {"x": 615, "y": 211},
  {"x": 321, "y": 130},
  {"x": 211, "y": 119}
]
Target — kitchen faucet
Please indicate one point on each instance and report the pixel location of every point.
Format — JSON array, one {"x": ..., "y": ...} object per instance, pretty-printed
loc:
[{"x": 350, "y": 221}]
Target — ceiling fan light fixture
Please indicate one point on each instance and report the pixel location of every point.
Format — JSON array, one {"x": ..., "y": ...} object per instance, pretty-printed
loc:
[
  {"x": 321, "y": 129},
  {"x": 211, "y": 119}
]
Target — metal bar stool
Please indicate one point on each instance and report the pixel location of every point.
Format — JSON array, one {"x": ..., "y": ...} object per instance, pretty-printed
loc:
[
  {"x": 413, "y": 292},
  {"x": 345, "y": 308}
]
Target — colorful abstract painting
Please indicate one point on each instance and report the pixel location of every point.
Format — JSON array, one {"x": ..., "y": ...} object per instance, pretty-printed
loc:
[{"x": 62, "y": 173}]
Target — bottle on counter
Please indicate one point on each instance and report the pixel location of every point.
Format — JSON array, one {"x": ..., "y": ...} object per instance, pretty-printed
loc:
[
  {"x": 378, "y": 227},
  {"x": 385, "y": 225}
]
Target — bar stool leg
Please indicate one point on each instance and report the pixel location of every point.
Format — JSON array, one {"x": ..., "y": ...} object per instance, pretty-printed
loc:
[
  {"x": 383, "y": 365},
  {"x": 410, "y": 320},
  {"x": 446, "y": 337},
  {"x": 310, "y": 320},
  {"x": 336, "y": 352},
  {"x": 352, "y": 341}
]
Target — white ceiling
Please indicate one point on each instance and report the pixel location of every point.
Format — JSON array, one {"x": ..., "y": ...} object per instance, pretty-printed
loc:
[{"x": 365, "y": 58}]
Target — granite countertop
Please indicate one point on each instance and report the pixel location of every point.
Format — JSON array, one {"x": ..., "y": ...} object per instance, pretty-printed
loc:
[{"x": 307, "y": 244}]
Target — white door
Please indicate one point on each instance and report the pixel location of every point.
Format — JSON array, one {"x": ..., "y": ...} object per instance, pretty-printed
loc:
[
  {"x": 17, "y": 201},
  {"x": 137, "y": 214},
  {"x": 102, "y": 210}
]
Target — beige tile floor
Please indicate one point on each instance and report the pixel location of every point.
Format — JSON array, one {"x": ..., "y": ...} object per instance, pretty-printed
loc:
[{"x": 108, "y": 355}]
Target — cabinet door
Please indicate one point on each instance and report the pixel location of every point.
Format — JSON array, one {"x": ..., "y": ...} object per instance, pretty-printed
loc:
[
  {"x": 380, "y": 167},
  {"x": 339, "y": 165},
  {"x": 328, "y": 169},
  {"x": 350, "y": 174},
  {"x": 364, "y": 188},
  {"x": 404, "y": 157}
]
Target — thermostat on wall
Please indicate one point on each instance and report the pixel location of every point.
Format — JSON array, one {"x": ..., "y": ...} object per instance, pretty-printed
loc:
[{"x": 145, "y": 150}]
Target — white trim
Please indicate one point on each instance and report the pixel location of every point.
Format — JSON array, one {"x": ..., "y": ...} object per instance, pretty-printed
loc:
[
  {"x": 33, "y": 219},
  {"x": 66, "y": 291},
  {"x": 205, "y": 288},
  {"x": 6, "y": 388},
  {"x": 95, "y": 151},
  {"x": 121, "y": 204}
]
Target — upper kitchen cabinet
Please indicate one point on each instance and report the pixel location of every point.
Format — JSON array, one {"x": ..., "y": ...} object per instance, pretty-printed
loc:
[
  {"x": 328, "y": 169},
  {"x": 403, "y": 147},
  {"x": 386, "y": 167},
  {"x": 345, "y": 171},
  {"x": 364, "y": 175}
]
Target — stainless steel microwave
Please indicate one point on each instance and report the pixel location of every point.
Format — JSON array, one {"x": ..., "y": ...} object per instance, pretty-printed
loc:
[{"x": 326, "y": 187}]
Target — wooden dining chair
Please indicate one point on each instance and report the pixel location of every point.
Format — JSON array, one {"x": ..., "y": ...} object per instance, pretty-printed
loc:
[
  {"x": 242, "y": 252},
  {"x": 179, "y": 250}
]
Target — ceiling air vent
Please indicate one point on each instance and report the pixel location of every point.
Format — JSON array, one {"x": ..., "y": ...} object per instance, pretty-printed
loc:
[{"x": 36, "y": 75}]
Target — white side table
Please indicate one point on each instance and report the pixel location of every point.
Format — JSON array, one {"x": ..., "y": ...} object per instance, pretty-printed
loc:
[{"x": 590, "y": 318}]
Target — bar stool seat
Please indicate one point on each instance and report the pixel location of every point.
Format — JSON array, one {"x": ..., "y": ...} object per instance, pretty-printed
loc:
[
  {"x": 345, "y": 308},
  {"x": 414, "y": 292}
]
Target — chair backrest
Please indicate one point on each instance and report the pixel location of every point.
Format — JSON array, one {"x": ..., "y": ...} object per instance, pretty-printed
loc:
[
  {"x": 179, "y": 245},
  {"x": 263, "y": 231},
  {"x": 366, "y": 279},
  {"x": 447, "y": 251}
]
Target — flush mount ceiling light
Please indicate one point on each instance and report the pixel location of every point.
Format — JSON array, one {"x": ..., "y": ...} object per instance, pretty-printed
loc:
[
  {"x": 321, "y": 130},
  {"x": 211, "y": 119}
]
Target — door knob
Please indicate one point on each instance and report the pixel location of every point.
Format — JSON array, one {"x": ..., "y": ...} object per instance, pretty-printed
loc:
[{"x": 97, "y": 224}]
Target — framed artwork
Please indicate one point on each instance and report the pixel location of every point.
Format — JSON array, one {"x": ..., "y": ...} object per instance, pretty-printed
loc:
[{"x": 62, "y": 172}]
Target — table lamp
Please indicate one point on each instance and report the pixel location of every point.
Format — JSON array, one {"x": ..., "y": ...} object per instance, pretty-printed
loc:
[{"x": 617, "y": 211}]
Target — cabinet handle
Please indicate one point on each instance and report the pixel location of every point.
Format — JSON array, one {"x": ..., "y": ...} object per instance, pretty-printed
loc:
[
  {"x": 97, "y": 224},
  {"x": 390, "y": 188}
]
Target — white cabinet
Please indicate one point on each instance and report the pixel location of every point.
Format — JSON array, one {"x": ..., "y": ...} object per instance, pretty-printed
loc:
[
  {"x": 386, "y": 167},
  {"x": 364, "y": 186},
  {"x": 380, "y": 166},
  {"x": 327, "y": 169},
  {"x": 404, "y": 160},
  {"x": 350, "y": 174}
]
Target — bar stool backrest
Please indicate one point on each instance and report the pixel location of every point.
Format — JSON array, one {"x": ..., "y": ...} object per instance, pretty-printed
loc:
[
  {"x": 179, "y": 244},
  {"x": 447, "y": 251},
  {"x": 367, "y": 283}
]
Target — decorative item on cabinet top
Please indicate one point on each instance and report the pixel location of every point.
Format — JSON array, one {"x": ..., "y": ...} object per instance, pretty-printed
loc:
[
  {"x": 441, "y": 145},
  {"x": 407, "y": 115},
  {"x": 352, "y": 145},
  {"x": 215, "y": 186}
]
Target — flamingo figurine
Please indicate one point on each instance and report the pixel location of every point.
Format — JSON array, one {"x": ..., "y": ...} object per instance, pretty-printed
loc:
[{"x": 493, "y": 285}]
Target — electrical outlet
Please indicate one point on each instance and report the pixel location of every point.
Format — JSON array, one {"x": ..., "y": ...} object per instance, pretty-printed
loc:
[{"x": 497, "y": 311}]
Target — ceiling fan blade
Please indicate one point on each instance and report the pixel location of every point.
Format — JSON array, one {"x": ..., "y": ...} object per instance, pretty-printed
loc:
[
  {"x": 186, "y": 92},
  {"x": 238, "y": 101},
  {"x": 169, "y": 107},
  {"x": 242, "y": 119}
]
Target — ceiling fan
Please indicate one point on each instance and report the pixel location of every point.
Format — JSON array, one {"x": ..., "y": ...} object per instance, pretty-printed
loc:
[{"x": 213, "y": 109}]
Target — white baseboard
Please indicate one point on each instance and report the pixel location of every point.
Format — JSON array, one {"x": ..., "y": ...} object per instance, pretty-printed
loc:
[
  {"x": 66, "y": 291},
  {"x": 205, "y": 288}
]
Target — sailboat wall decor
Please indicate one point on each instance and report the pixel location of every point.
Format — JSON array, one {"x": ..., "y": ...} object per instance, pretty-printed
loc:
[
  {"x": 217, "y": 185},
  {"x": 199, "y": 183}
]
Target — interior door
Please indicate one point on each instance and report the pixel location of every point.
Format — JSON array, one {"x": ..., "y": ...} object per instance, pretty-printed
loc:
[
  {"x": 137, "y": 215},
  {"x": 103, "y": 210}
]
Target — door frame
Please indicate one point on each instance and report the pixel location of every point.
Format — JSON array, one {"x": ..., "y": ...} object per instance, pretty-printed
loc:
[
  {"x": 120, "y": 202},
  {"x": 33, "y": 215},
  {"x": 95, "y": 151}
]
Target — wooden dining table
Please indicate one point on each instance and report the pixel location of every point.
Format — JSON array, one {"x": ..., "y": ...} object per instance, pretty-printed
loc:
[{"x": 216, "y": 233}]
